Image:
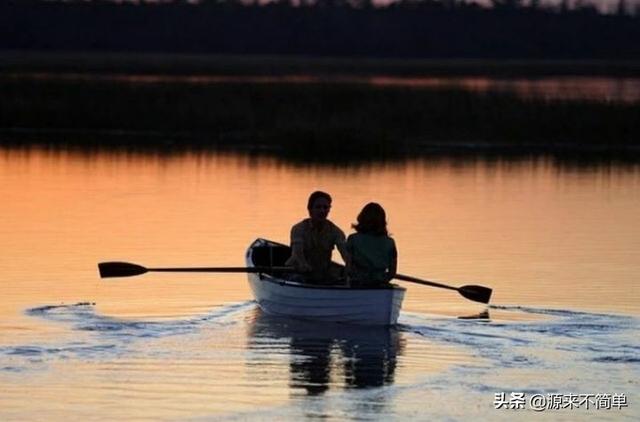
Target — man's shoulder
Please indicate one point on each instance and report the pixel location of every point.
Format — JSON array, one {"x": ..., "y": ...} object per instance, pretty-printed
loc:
[
  {"x": 299, "y": 232},
  {"x": 335, "y": 229},
  {"x": 302, "y": 225}
]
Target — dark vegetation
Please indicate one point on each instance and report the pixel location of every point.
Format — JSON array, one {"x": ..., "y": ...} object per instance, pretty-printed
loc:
[
  {"x": 337, "y": 28},
  {"x": 323, "y": 37},
  {"x": 307, "y": 119},
  {"x": 175, "y": 64}
]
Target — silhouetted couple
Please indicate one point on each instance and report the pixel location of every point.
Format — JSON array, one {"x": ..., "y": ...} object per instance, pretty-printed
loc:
[{"x": 370, "y": 254}]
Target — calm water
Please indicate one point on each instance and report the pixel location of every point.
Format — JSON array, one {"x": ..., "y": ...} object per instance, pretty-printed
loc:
[{"x": 559, "y": 244}]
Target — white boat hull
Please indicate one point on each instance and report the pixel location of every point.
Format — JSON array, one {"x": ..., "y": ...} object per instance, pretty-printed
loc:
[{"x": 364, "y": 306}]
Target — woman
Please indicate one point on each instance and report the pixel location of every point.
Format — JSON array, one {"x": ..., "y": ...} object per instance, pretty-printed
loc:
[{"x": 374, "y": 257}]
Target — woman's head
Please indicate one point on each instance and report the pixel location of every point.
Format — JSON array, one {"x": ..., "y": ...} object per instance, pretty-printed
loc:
[{"x": 372, "y": 220}]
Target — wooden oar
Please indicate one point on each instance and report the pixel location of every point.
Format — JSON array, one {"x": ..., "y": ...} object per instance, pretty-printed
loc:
[
  {"x": 476, "y": 293},
  {"x": 126, "y": 269}
]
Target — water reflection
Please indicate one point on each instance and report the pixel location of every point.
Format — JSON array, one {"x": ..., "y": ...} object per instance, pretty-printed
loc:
[
  {"x": 593, "y": 88},
  {"x": 324, "y": 356},
  {"x": 551, "y": 88},
  {"x": 121, "y": 153}
]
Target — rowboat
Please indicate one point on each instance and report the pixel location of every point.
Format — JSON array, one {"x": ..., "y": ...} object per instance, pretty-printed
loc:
[
  {"x": 280, "y": 292},
  {"x": 283, "y": 294}
]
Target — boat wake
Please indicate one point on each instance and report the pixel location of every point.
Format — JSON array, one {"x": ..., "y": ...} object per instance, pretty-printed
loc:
[
  {"x": 82, "y": 317},
  {"x": 606, "y": 337},
  {"x": 91, "y": 336},
  {"x": 569, "y": 350}
]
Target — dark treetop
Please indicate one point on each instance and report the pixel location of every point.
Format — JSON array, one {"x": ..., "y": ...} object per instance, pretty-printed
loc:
[{"x": 408, "y": 29}]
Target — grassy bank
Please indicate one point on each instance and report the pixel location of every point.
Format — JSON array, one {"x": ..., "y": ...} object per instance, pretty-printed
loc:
[
  {"x": 303, "y": 119},
  {"x": 183, "y": 64}
]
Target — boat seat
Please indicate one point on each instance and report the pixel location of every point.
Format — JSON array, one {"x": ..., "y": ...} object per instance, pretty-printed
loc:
[
  {"x": 276, "y": 256},
  {"x": 270, "y": 256}
]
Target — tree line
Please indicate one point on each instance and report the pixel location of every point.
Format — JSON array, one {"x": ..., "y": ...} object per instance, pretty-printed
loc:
[{"x": 403, "y": 29}]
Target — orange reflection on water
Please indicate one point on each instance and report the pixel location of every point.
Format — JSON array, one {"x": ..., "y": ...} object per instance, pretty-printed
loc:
[{"x": 538, "y": 234}]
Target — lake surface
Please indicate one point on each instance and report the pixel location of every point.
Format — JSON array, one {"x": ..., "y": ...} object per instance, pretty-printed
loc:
[{"x": 558, "y": 242}]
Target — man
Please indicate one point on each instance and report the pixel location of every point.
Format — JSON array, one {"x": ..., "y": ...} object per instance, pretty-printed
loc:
[{"x": 313, "y": 240}]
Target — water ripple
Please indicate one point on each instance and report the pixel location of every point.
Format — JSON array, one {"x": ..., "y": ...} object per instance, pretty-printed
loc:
[
  {"x": 563, "y": 344},
  {"x": 104, "y": 336}
]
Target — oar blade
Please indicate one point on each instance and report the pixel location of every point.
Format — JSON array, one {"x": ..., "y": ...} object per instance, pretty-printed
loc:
[
  {"x": 476, "y": 293},
  {"x": 120, "y": 269}
]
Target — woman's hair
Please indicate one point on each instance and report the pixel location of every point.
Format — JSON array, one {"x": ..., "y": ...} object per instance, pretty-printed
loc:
[
  {"x": 372, "y": 220},
  {"x": 317, "y": 195}
]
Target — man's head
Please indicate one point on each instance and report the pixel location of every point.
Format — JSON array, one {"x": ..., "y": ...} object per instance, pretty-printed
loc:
[{"x": 319, "y": 205}]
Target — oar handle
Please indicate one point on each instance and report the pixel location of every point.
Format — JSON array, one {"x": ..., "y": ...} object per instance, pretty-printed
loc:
[
  {"x": 127, "y": 269},
  {"x": 424, "y": 282},
  {"x": 223, "y": 269}
]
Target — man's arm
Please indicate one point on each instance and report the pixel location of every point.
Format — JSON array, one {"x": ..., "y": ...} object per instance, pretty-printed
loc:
[
  {"x": 297, "y": 259},
  {"x": 341, "y": 245}
]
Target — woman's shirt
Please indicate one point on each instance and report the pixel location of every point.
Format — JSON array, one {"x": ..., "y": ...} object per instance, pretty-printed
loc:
[{"x": 371, "y": 257}]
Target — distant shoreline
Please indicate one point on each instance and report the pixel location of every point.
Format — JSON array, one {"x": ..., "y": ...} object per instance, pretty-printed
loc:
[
  {"x": 298, "y": 120},
  {"x": 268, "y": 65},
  {"x": 179, "y": 143}
]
